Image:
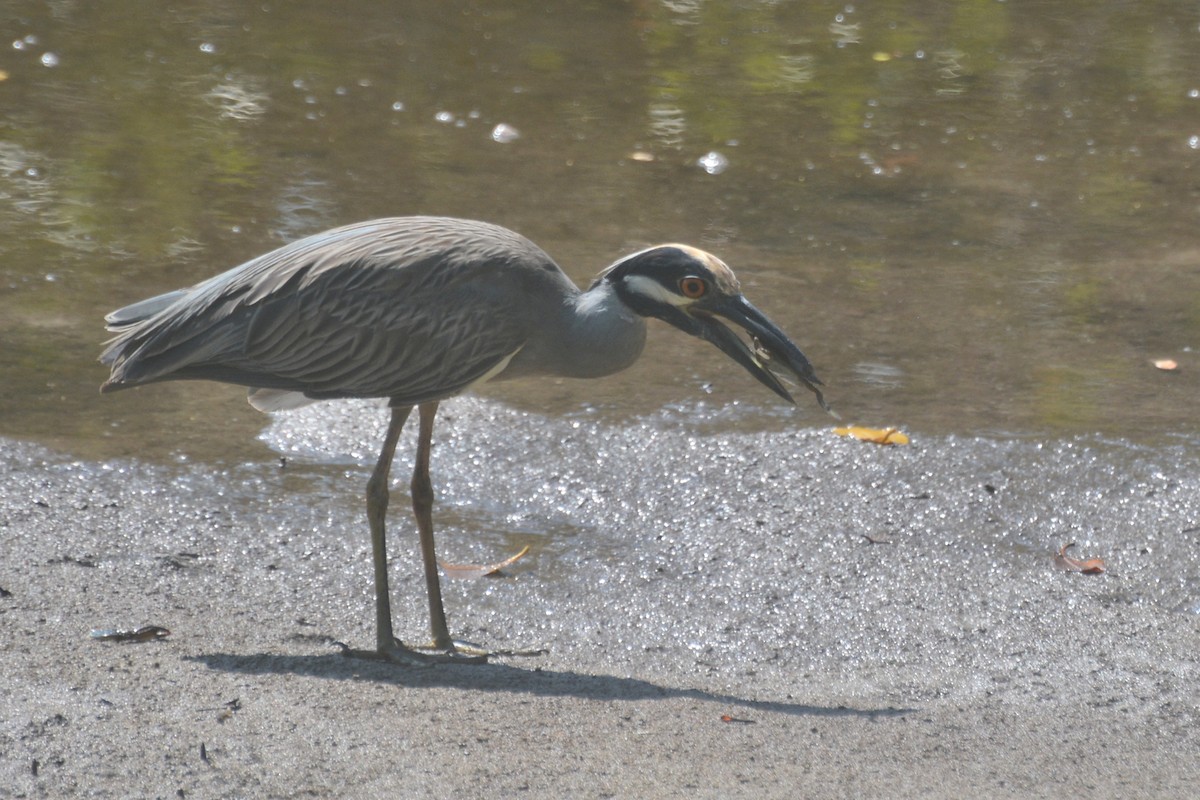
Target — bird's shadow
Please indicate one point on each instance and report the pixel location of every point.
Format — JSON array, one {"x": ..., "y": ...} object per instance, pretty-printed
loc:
[{"x": 501, "y": 677}]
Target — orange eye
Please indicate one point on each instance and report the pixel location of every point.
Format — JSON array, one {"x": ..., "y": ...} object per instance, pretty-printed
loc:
[{"x": 693, "y": 287}]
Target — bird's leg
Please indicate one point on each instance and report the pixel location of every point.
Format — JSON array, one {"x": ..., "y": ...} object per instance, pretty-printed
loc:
[
  {"x": 422, "y": 500},
  {"x": 387, "y": 646},
  {"x": 422, "y": 497}
]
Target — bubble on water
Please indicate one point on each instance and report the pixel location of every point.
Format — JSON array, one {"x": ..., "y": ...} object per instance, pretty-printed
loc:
[
  {"x": 444, "y": 117},
  {"x": 397, "y": 106},
  {"x": 208, "y": 47},
  {"x": 1194, "y": 142},
  {"x": 713, "y": 162},
  {"x": 505, "y": 133},
  {"x": 49, "y": 60}
]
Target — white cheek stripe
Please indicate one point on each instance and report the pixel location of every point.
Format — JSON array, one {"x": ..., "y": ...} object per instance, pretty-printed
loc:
[{"x": 648, "y": 287}]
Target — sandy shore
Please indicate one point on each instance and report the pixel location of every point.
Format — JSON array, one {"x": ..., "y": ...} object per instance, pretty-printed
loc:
[{"x": 718, "y": 624}]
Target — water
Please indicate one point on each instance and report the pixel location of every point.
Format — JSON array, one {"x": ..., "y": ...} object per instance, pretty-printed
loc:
[{"x": 974, "y": 217}]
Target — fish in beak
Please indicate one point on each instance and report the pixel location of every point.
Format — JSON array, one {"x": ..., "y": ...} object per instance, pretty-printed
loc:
[{"x": 770, "y": 353}]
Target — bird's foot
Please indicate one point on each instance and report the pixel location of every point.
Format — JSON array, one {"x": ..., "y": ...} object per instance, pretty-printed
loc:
[
  {"x": 396, "y": 652},
  {"x": 462, "y": 649}
]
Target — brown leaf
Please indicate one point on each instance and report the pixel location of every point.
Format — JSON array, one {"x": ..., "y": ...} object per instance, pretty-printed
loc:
[
  {"x": 1086, "y": 566},
  {"x": 146, "y": 633},
  {"x": 471, "y": 571}
]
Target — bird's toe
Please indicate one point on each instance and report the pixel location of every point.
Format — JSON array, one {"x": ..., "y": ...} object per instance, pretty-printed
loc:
[{"x": 461, "y": 649}]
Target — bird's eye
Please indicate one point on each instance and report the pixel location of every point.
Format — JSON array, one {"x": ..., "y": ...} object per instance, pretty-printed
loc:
[{"x": 693, "y": 287}]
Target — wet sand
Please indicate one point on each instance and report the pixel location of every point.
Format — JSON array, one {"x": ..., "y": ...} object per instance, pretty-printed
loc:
[{"x": 719, "y": 620}]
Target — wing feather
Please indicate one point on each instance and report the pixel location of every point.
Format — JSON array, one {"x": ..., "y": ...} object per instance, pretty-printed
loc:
[{"x": 411, "y": 309}]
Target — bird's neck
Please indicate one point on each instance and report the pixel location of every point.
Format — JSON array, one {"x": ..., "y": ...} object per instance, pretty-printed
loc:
[
  {"x": 602, "y": 334},
  {"x": 592, "y": 334},
  {"x": 607, "y": 335}
]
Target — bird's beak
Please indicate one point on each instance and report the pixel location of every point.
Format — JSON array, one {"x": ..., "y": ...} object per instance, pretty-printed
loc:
[{"x": 769, "y": 351}]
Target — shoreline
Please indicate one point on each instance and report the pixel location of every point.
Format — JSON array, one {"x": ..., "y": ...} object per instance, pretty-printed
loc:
[{"x": 687, "y": 657}]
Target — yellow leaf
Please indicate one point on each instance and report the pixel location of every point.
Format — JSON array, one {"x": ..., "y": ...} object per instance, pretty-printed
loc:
[
  {"x": 469, "y": 571},
  {"x": 875, "y": 435}
]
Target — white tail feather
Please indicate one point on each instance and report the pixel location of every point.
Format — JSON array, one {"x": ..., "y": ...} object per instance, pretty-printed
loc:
[{"x": 269, "y": 400}]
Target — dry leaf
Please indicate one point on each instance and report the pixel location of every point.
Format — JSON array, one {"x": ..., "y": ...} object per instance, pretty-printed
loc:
[
  {"x": 146, "y": 633},
  {"x": 1086, "y": 566},
  {"x": 471, "y": 571},
  {"x": 875, "y": 435},
  {"x": 1165, "y": 364}
]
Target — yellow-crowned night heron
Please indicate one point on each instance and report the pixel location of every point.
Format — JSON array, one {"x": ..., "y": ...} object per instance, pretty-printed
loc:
[{"x": 416, "y": 310}]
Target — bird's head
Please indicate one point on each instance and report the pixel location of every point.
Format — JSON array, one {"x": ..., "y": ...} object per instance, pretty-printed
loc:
[{"x": 695, "y": 291}]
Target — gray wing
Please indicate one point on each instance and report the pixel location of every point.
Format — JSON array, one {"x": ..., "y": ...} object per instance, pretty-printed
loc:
[
  {"x": 131, "y": 315},
  {"x": 412, "y": 309}
]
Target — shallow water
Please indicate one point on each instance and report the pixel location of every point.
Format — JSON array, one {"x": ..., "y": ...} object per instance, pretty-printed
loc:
[{"x": 972, "y": 216}]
